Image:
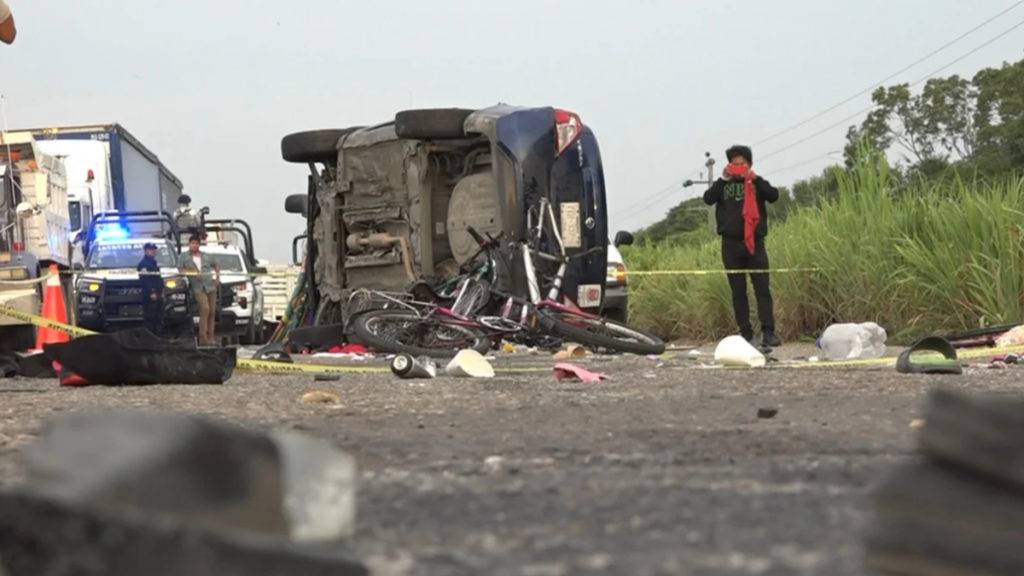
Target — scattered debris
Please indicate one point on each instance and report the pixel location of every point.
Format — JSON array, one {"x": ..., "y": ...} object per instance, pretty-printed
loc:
[
  {"x": 273, "y": 352},
  {"x": 320, "y": 397},
  {"x": 571, "y": 351},
  {"x": 917, "y": 423},
  {"x": 766, "y": 413},
  {"x": 179, "y": 495},
  {"x": 469, "y": 364},
  {"x": 852, "y": 341},
  {"x": 1014, "y": 337},
  {"x": 508, "y": 347},
  {"x": 947, "y": 363},
  {"x": 138, "y": 357},
  {"x": 969, "y": 483},
  {"x": 565, "y": 371},
  {"x": 1007, "y": 359},
  {"x": 493, "y": 464},
  {"x": 694, "y": 353},
  {"x": 356, "y": 349},
  {"x": 406, "y": 366},
  {"x": 736, "y": 351},
  {"x": 326, "y": 377}
]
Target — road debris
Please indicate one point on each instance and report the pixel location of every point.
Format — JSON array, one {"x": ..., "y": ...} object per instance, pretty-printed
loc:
[
  {"x": 320, "y": 397},
  {"x": 407, "y": 366},
  {"x": 469, "y": 364},
  {"x": 736, "y": 351},
  {"x": 570, "y": 352},
  {"x": 969, "y": 483},
  {"x": 565, "y": 371},
  {"x": 178, "y": 495},
  {"x": 766, "y": 413}
]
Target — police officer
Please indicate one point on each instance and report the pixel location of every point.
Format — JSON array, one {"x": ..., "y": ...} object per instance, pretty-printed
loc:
[{"x": 152, "y": 289}]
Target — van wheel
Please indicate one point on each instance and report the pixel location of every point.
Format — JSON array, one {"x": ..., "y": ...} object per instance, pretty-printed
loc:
[
  {"x": 431, "y": 123},
  {"x": 313, "y": 146}
]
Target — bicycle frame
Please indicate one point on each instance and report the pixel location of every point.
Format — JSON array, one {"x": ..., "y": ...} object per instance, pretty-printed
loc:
[{"x": 535, "y": 232}]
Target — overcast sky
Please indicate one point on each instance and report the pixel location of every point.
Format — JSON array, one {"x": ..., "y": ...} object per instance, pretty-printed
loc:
[{"x": 212, "y": 85}]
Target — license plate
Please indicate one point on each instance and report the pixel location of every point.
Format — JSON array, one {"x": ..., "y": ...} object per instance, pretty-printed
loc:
[
  {"x": 571, "y": 224},
  {"x": 131, "y": 310},
  {"x": 589, "y": 296}
]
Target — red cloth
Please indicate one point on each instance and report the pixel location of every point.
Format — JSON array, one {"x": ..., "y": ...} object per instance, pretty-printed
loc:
[
  {"x": 349, "y": 349},
  {"x": 751, "y": 214}
]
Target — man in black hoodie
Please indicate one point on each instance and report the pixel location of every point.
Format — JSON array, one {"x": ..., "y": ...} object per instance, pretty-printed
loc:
[{"x": 739, "y": 197}]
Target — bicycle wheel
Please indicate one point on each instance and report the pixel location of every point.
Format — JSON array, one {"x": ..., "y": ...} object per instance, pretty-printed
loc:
[
  {"x": 600, "y": 333},
  {"x": 397, "y": 331}
]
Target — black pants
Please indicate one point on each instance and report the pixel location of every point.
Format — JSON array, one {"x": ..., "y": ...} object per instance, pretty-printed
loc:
[
  {"x": 736, "y": 257},
  {"x": 153, "y": 315}
]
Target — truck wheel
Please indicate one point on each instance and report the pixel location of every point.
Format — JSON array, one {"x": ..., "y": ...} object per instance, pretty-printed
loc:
[
  {"x": 432, "y": 123},
  {"x": 313, "y": 146}
]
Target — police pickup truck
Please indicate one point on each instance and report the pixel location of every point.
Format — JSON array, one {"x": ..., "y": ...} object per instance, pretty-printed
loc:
[{"x": 109, "y": 293}]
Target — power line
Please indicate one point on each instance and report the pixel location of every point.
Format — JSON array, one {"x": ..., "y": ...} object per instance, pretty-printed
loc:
[
  {"x": 657, "y": 196},
  {"x": 915, "y": 83},
  {"x": 887, "y": 78}
]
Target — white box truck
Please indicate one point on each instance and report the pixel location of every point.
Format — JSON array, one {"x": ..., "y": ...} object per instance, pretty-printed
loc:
[{"x": 108, "y": 169}]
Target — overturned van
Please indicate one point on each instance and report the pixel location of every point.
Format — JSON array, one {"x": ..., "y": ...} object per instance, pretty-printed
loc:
[{"x": 390, "y": 203}]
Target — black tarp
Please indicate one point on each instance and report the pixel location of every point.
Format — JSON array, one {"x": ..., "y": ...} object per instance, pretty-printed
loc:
[{"x": 138, "y": 357}]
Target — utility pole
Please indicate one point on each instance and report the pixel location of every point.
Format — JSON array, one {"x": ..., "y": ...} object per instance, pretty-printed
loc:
[{"x": 710, "y": 164}]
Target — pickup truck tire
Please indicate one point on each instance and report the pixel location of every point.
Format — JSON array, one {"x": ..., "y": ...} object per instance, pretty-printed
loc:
[
  {"x": 314, "y": 145},
  {"x": 431, "y": 124}
]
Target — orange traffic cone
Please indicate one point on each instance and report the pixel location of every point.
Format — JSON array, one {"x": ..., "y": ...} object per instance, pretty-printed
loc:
[{"x": 53, "y": 309}]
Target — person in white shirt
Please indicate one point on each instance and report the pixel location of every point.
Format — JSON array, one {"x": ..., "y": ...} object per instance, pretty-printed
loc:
[{"x": 7, "y": 29}]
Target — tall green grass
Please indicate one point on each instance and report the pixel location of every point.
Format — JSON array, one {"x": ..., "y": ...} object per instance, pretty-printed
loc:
[{"x": 923, "y": 258}]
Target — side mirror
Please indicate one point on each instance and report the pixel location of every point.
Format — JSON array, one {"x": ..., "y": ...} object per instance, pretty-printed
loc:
[
  {"x": 623, "y": 238},
  {"x": 297, "y": 204}
]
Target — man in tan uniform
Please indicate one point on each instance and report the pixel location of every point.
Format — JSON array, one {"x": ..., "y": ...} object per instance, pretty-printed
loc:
[{"x": 7, "y": 30}]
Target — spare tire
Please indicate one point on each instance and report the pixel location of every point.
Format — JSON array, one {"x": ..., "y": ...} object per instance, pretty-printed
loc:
[
  {"x": 432, "y": 123},
  {"x": 313, "y": 146}
]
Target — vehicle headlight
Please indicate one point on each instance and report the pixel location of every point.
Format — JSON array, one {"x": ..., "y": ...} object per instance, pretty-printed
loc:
[
  {"x": 89, "y": 286},
  {"x": 617, "y": 273}
]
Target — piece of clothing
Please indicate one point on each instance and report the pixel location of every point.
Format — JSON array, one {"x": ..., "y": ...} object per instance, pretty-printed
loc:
[
  {"x": 207, "y": 304},
  {"x": 200, "y": 276},
  {"x": 736, "y": 257},
  {"x": 751, "y": 213},
  {"x": 728, "y": 198},
  {"x": 151, "y": 280},
  {"x": 5, "y": 11}
]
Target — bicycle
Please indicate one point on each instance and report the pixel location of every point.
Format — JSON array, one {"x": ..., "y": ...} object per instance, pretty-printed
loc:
[{"x": 530, "y": 320}]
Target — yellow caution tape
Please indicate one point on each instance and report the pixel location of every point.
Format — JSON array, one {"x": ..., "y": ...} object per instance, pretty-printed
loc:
[
  {"x": 891, "y": 360},
  {"x": 716, "y": 272},
  {"x": 268, "y": 367},
  {"x": 44, "y": 322}
]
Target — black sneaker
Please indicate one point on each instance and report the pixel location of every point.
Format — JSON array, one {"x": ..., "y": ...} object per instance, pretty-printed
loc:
[{"x": 770, "y": 339}]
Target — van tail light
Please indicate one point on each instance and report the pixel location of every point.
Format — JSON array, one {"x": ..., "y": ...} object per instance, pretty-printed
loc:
[{"x": 568, "y": 128}]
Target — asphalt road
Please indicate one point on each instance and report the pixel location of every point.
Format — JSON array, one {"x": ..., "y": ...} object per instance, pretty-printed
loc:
[{"x": 666, "y": 468}]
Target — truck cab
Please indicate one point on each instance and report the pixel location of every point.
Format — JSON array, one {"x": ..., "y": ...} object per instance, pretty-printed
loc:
[
  {"x": 33, "y": 230},
  {"x": 108, "y": 291}
]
